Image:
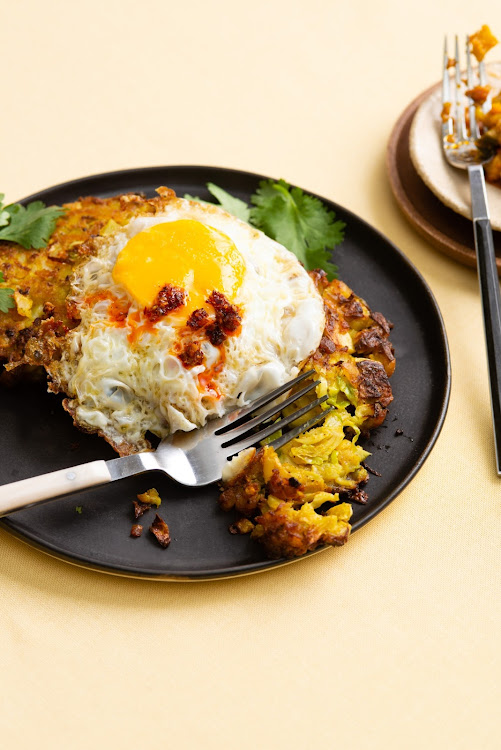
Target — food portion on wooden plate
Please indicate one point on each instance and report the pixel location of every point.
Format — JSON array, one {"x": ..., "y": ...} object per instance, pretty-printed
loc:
[{"x": 433, "y": 196}]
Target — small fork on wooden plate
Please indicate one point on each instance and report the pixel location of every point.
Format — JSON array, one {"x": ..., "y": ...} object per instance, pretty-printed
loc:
[
  {"x": 193, "y": 458},
  {"x": 459, "y": 141}
]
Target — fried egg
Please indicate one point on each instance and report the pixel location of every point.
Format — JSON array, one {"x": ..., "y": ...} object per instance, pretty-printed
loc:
[{"x": 184, "y": 316}]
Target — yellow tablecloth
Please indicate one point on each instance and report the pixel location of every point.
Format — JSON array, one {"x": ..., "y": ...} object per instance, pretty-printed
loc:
[{"x": 390, "y": 642}]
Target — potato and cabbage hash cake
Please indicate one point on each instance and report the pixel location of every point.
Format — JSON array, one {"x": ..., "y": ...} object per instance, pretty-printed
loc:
[
  {"x": 292, "y": 500},
  {"x": 32, "y": 332}
]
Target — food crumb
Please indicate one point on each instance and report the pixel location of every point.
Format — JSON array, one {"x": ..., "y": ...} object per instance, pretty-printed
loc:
[
  {"x": 161, "y": 531},
  {"x": 242, "y": 526},
  {"x": 399, "y": 432},
  {"x": 136, "y": 530},
  {"x": 151, "y": 497},
  {"x": 78, "y": 509},
  {"x": 140, "y": 508}
]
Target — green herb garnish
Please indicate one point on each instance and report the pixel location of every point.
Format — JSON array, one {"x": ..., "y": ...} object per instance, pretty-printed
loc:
[
  {"x": 6, "y": 297},
  {"x": 30, "y": 226},
  {"x": 233, "y": 205},
  {"x": 298, "y": 221}
]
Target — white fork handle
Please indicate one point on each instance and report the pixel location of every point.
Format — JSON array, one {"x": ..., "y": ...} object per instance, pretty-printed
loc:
[{"x": 36, "y": 490}]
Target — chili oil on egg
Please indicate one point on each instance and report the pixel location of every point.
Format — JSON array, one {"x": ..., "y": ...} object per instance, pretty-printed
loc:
[{"x": 183, "y": 316}]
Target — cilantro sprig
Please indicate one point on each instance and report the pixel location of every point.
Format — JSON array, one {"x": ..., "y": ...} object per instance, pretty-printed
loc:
[
  {"x": 233, "y": 205},
  {"x": 30, "y": 226},
  {"x": 300, "y": 222},
  {"x": 6, "y": 297}
]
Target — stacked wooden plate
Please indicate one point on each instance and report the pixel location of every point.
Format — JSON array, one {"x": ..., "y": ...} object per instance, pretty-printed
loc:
[{"x": 434, "y": 196}]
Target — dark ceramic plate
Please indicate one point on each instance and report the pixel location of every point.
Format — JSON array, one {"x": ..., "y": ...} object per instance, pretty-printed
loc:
[{"x": 37, "y": 436}]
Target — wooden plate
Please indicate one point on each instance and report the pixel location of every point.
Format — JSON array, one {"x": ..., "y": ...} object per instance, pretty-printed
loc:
[{"x": 446, "y": 230}]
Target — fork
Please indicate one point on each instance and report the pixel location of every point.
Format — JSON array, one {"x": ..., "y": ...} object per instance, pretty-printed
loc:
[
  {"x": 192, "y": 458},
  {"x": 460, "y": 150}
]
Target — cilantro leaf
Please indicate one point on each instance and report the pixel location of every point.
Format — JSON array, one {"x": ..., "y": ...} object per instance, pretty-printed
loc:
[
  {"x": 299, "y": 221},
  {"x": 233, "y": 205},
  {"x": 30, "y": 226},
  {"x": 195, "y": 198},
  {"x": 6, "y": 297}
]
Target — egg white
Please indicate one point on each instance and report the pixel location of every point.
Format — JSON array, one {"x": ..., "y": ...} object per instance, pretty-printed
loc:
[{"x": 124, "y": 390}]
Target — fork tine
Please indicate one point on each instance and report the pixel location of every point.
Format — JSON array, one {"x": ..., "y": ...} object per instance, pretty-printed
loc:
[
  {"x": 447, "y": 122},
  {"x": 237, "y": 446},
  {"x": 234, "y": 433},
  {"x": 474, "y": 132},
  {"x": 236, "y": 417},
  {"x": 292, "y": 434},
  {"x": 446, "y": 88},
  {"x": 459, "y": 108},
  {"x": 486, "y": 106}
]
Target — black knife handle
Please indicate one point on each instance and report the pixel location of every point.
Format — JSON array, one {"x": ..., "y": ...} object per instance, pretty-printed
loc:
[{"x": 491, "y": 308}]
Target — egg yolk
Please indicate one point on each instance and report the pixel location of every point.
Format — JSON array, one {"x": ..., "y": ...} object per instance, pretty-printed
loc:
[{"x": 187, "y": 254}]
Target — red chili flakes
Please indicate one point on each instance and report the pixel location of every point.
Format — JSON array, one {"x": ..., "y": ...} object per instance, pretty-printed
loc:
[
  {"x": 161, "y": 531},
  {"x": 118, "y": 310},
  {"x": 200, "y": 325},
  {"x": 198, "y": 319},
  {"x": 169, "y": 298},
  {"x": 191, "y": 354},
  {"x": 215, "y": 334},
  {"x": 227, "y": 319},
  {"x": 136, "y": 530},
  {"x": 227, "y": 315}
]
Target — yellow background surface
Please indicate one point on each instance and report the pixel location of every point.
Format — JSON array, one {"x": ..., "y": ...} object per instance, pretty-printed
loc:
[{"x": 390, "y": 642}]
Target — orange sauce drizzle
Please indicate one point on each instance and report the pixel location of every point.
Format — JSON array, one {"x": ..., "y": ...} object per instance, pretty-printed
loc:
[
  {"x": 138, "y": 325},
  {"x": 118, "y": 309}
]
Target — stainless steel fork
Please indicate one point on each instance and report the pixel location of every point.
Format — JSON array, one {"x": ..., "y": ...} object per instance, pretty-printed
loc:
[
  {"x": 460, "y": 150},
  {"x": 193, "y": 458}
]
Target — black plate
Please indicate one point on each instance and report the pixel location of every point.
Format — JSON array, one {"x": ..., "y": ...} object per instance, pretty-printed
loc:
[{"x": 37, "y": 436}]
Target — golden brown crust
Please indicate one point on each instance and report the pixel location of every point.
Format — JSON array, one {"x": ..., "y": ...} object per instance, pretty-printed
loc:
[
  {"x": 354, "y": 350},
  {"x": 247, "y": 489},
  {"x": 41, "y": 278},
  {"x": 284, "y": 534}
]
